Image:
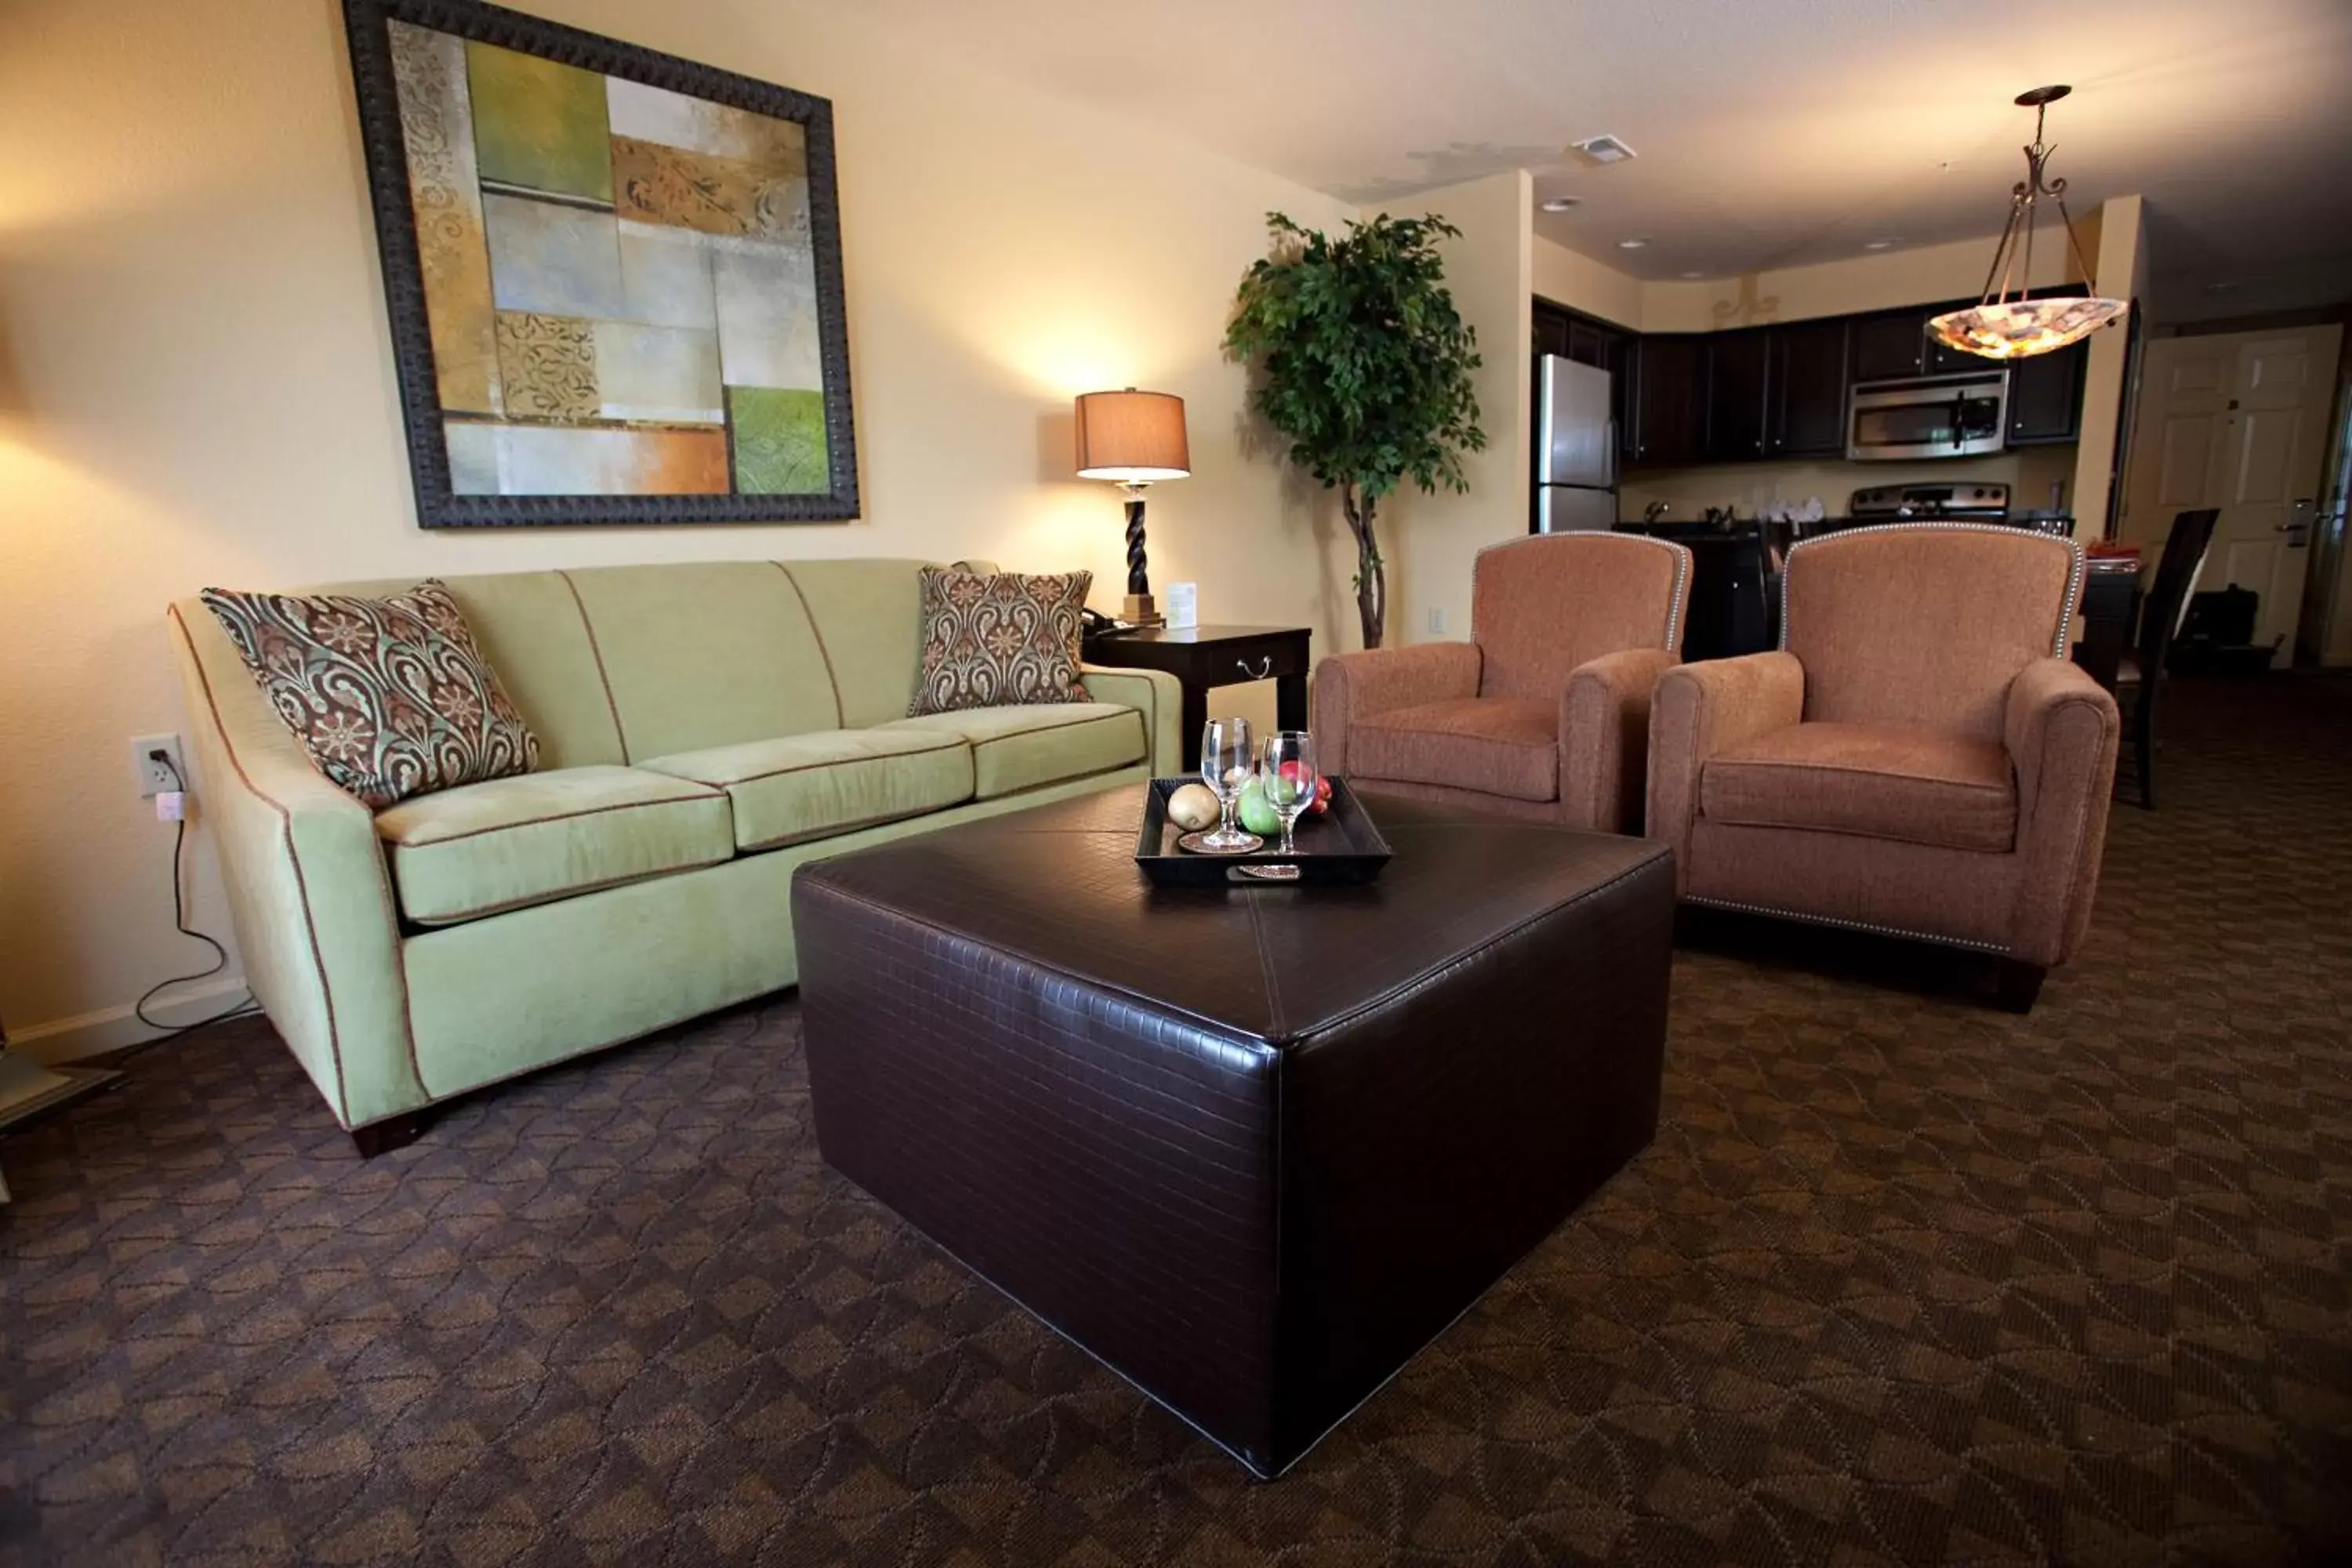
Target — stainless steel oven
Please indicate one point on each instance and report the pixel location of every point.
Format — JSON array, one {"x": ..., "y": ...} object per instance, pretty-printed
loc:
[{"x": 1933, "y": 417}]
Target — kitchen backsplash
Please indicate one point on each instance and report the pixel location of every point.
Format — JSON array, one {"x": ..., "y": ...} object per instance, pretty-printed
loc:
[{"x": 1751, "y": 487}]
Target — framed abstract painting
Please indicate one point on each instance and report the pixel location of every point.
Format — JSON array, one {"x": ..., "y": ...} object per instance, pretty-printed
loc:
[{"x": 614, "y": 276}]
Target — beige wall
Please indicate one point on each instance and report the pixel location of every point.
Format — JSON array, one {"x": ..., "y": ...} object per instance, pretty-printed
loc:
[
  {"x": 1568, "y": 278},
  {"x": 1430, "y": 539},
  {"x": 2122, "y": 263},
  {"x": 195, "y": 388},
  {"x": 1882, "y": 281}
]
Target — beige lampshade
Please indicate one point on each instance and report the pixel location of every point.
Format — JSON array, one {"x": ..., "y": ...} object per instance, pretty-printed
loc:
[{"x": 1132, "y": 438}]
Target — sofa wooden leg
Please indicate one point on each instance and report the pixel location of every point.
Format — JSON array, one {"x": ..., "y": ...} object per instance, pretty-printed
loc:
[
  {"x": 383, "y": 1137},
  {"x": 2018, "y": 983}
]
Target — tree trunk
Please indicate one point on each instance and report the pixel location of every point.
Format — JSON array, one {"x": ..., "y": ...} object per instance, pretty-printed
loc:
[{"x": 1372, "y": 571}]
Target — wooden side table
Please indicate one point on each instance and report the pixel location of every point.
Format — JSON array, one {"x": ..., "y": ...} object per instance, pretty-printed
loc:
[{"x": 1202, "y": 656}]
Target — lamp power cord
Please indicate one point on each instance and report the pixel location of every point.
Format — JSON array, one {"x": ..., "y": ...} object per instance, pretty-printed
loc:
[{"x": 180, "y": 923}]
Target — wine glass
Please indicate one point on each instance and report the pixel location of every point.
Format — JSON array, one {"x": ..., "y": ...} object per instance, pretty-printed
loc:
[
  {"x": 1226, "y": 759},
  {"x": 1286, "y": 775}
]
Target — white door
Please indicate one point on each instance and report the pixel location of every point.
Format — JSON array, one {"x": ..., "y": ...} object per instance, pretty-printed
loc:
[{"x": 2237, "y": 421}]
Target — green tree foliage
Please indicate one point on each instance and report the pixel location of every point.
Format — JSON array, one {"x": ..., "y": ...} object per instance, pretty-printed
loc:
[{"x": 1363, "y": 366}]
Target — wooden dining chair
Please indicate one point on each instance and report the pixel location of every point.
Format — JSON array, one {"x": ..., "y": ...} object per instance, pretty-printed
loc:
[{"x": 2141, "y": 675}]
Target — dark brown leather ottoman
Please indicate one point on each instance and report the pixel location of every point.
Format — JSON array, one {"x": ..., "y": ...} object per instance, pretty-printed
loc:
[{"x": 1253, "y": 1147}]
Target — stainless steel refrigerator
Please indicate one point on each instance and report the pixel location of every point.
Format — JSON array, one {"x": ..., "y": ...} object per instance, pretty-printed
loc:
[{"x": 1576, "y": 447}]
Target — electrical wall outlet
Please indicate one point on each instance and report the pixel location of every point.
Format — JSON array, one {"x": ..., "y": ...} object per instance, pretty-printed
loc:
[
  {"x": 154, "y": 777},
  {"x": 1437, "y": 620}
]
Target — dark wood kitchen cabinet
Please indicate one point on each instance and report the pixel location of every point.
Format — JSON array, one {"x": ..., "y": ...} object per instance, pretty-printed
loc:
[
  {"x": 1552, "y": 329},
  {"x": 2045, "y": 396},
  {"x": 1889, "y": 346},
  {"x": 1754, "y": 394},
  {"x": 1739, "y": 369},
  {"x": 1805, "y": 415},
  {"x": 1670, "y": 399}
]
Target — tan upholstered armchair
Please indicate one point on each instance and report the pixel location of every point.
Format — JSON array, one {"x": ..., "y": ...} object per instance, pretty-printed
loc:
[
  {"x": 1543, "y": 713},
  {"x": 1920, "y": 759}
]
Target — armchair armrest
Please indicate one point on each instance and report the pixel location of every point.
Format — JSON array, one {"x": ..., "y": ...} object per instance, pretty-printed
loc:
[
  {"x": 1353, "y": 686},
  {"x": 317, "y": 929},
  {"x": 1604, "y": 737},
  {"x": 1699, "y": 709},
  {"x": 2061, "y": 730},
  {"x": 1159, "y": 697}
]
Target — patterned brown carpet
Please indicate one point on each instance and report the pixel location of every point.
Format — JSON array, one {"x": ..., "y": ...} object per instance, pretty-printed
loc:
[{"x": 1904, "y": 1279}]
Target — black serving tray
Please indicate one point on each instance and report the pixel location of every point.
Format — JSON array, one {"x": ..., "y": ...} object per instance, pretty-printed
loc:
[{"x": 1343, "y": 848}]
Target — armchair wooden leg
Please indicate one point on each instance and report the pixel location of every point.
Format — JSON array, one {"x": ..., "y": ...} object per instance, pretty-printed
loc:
[
  {"x": 383, "y": 1137},
  {"x": 2018, "y": 985}
]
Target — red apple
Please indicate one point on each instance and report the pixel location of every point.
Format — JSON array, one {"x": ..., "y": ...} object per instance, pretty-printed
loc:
[{"x": 1322, "y": 789}]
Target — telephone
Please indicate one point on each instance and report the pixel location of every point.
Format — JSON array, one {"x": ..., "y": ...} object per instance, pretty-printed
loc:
[{"x": 1095, "y": 624}]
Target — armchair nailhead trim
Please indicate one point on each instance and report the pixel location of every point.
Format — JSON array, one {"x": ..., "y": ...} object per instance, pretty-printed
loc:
[
  {"x": 1993, "y": 947},
  {"x": 2074, "y": 578}
]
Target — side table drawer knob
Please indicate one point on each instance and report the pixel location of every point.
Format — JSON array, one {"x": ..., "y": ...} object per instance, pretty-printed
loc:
[{"x": 1264, "y": 667}]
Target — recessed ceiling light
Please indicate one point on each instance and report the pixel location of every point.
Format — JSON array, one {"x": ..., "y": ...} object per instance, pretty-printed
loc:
[
  {"x": 1631, "y": 244},
  {"x": 1602, "y": 148},
  {"x": 1558, "y": 204},
  {"x": 1877, "y": 244},
  {"x": 1694, "y": 275}
]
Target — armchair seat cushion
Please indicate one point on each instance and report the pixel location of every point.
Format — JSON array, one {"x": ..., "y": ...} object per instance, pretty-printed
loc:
[
  {"x": 1506, "y": 746},
  {"x": 484, "y": 848},
  {"x": 799, "y": 787},
  {"x": 1028, "y": 745},
  {"x": 1915, "y": 786}
]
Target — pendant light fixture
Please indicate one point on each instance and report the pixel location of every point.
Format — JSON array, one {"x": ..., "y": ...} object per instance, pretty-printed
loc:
[{"x": 2005, "y": 323}]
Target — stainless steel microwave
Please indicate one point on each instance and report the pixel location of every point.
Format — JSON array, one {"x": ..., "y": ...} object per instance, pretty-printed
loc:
[{"x": 1961, "y": 416}]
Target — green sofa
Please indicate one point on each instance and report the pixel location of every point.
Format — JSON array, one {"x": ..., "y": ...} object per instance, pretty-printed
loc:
[{"x": 703, "y": 728}]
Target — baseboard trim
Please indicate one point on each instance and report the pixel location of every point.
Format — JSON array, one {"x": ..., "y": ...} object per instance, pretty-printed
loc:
[{"x": 111, "y": 1029}]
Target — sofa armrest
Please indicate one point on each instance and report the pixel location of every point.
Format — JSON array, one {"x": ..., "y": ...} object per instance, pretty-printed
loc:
[
  {"x": 1604, "y": 738},
  {"x": 1159, "y": 697},
  {"x": 1699, "y": 709},
  {"x": 317, "y": 929},
  {"x": 1350, "y": 687},
  {"x": 2060, "y": 729}
]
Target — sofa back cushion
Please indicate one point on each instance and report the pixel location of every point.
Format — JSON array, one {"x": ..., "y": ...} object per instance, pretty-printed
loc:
[
  {"x": 869, "y": 616},
  {"x": 698, "y": 655},
  {"x": 1925, "y": 624},
  {"x": 530, "y": 629},
  {"x": 1540, "y": 607}
]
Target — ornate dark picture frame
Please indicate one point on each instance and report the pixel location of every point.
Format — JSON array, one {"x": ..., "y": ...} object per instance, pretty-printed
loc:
[{"x": 438, "y": 504}]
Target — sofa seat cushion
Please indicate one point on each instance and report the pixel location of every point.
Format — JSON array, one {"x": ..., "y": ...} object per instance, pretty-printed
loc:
[
  {"x": 799, "y": 787},
  {"x": 1916, "y": 786},
  {"x": 1026, "y": 745},
  {"x": 1506, "y": 746},
  {"x": 483, "y": 849}
]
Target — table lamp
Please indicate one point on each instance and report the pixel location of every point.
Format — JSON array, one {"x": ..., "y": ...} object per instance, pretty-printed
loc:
[{"x": 1133, "y": 438}]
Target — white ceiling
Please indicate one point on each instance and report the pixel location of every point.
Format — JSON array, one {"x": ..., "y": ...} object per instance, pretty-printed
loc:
[{"x": 1771, "y": 132}]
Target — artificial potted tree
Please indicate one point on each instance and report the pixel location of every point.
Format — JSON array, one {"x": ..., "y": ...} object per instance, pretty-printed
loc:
[{"x": 1363, "y": 366}]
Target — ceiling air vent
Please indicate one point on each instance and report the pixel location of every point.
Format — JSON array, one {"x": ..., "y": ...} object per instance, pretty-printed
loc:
[{"x": 1601, "y": 150}]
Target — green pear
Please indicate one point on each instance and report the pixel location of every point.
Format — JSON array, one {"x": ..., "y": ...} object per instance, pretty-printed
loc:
[{"x": 1257, "y": 813}]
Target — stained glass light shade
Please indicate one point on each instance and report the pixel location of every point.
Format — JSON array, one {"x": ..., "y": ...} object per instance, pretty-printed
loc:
[
  {"x": 2018, "y": 329},
  {"x": 2006, "y": 323}
]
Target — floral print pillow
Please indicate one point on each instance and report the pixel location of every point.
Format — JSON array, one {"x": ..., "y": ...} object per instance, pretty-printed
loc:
[
  {"x": 994, "y": 638},
  {"x": 391, "y": 697}
]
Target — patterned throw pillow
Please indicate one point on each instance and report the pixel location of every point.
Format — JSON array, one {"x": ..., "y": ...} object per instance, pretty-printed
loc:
[
  {"x": 391, "y": 697},
  {"x": 994, "y": 638}
]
